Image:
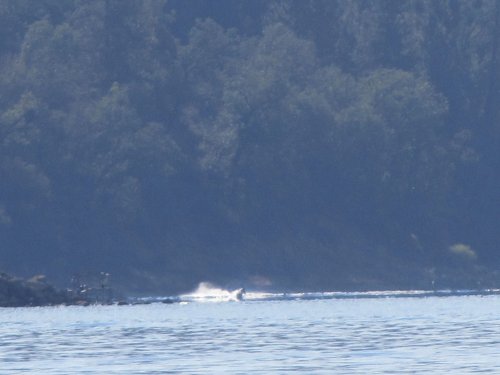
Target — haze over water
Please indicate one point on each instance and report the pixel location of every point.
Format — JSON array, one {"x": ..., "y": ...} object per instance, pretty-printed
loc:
[{"x": 320, "y": 336}]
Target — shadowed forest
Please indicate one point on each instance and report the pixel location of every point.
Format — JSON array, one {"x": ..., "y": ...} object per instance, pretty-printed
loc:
[{"x": 300, "y": 144}]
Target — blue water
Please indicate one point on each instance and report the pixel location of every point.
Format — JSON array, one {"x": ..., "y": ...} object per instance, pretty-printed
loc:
[{"x": 458, "y": 335}]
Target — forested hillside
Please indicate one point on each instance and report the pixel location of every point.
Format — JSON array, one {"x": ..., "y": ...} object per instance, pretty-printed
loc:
[{"x": 288, "y": 144}]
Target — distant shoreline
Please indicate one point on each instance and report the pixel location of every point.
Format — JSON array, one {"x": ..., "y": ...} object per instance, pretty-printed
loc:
[{"x": 37, "y": 292}]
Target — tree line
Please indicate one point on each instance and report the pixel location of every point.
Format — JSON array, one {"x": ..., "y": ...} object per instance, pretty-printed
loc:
[{"x": 307, "y": 143}]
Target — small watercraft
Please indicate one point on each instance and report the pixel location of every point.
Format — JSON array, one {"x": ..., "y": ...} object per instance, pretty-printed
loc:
[{"x": 238, "y": 294}]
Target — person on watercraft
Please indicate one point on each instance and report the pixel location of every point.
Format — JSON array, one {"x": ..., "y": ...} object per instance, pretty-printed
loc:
[{"x": 240, "y": 293}]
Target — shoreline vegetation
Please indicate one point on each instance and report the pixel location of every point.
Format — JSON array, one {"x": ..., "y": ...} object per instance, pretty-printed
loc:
[{"x": 278, "y": 144}]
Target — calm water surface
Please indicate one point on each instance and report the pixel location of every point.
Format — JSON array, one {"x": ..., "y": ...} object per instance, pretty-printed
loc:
[{"x": 435, "y": 335}]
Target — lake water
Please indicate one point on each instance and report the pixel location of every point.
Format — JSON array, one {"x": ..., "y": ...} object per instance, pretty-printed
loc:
[{"x": 455, "y": 334}]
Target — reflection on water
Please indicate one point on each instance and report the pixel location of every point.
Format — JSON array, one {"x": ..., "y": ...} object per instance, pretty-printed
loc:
[{"x": 353, "y": 336}]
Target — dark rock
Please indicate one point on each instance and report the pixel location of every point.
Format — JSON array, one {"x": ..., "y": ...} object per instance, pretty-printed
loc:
[{"x": 16, "y": 292}]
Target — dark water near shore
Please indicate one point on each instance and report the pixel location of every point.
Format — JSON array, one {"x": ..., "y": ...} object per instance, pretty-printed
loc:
[{"x": 456, "y": 334}]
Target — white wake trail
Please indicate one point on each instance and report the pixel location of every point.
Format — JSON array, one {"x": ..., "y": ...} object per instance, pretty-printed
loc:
[{"x": 207, "y": 292}]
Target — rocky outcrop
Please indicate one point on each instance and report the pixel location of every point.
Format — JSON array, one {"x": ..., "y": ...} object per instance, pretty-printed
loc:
[{"x": 16, "y": 292}]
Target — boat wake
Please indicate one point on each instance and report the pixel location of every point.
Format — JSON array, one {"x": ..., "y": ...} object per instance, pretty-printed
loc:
[
  {"x": 207, "y": 292},
  {"x": 257, "y": 296}
]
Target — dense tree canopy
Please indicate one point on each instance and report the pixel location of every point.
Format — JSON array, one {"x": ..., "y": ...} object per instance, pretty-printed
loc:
[{"x": 306, "y": 143}]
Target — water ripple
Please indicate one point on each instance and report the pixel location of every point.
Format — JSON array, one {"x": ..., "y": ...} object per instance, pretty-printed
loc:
[{"x": 414, "y": 335}]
